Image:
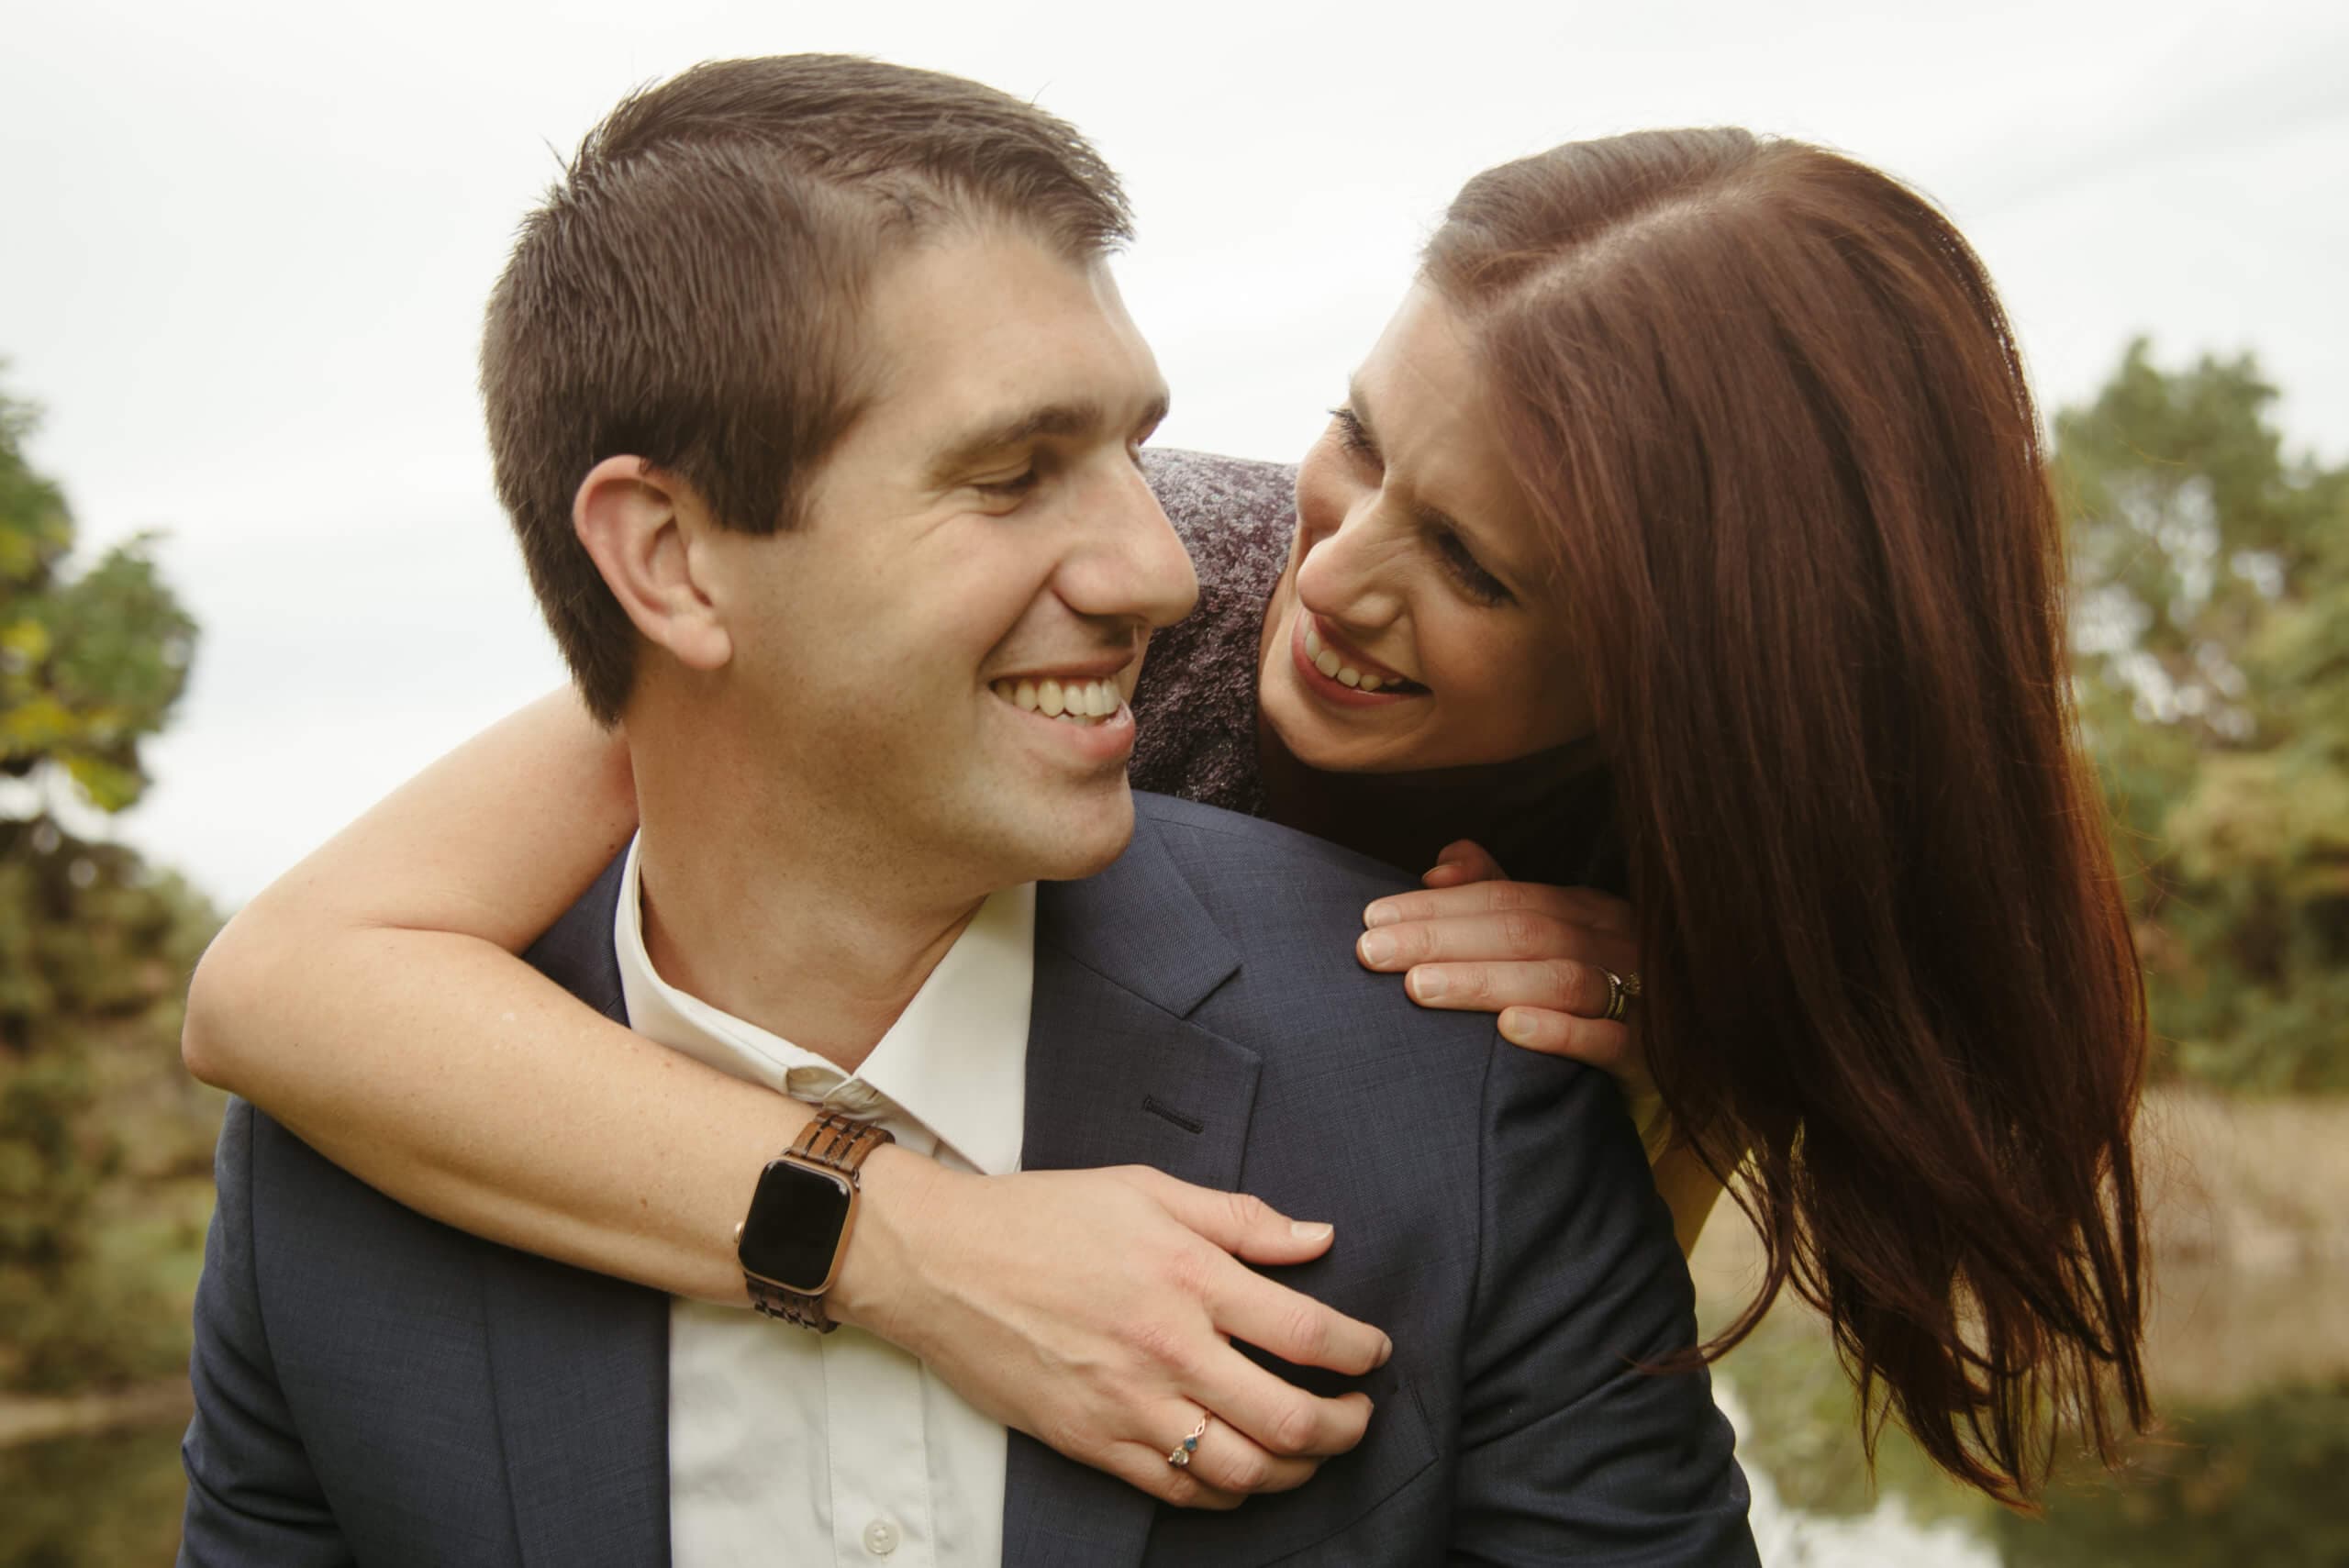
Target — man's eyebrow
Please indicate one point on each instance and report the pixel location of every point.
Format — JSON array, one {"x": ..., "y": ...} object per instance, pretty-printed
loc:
[{"x": 1059, "y": 419}]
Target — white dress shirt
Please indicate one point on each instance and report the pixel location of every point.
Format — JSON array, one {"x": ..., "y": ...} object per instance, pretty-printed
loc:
[{"x": 787, "y": 1447}]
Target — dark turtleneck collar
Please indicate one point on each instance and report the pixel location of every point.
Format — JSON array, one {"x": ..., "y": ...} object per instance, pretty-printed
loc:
[{"x": 1545, "y": 818}]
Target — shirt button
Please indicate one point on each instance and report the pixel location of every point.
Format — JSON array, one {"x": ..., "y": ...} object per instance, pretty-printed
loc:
[{"x": 880, "y": 1538}]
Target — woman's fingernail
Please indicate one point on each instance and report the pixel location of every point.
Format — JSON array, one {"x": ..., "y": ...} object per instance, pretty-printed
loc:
[
  {"x": 1309, "y": 1230},
  {"x": 1425, "y": 984},
  {"x": 1379, "y": 914},
  {"x": 1516, "y": 1027},
  {"x": 1376, "y": 947},
  {"x": 1385, "y": 1353}
]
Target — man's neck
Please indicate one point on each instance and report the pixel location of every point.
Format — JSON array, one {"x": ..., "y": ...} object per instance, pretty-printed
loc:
[{"x": 759, "y": 914}]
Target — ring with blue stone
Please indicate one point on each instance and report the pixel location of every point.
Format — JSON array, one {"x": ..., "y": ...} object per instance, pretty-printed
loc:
[{"x": 1180, "y": 1457}]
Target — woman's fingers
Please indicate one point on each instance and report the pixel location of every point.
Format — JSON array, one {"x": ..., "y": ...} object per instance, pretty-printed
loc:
[
  {"x": 1539, "y": 956},
  {"x": 1584, "y": 905},
  {"x": 1606, "y": 1046},
  {"x": 1462, "y": 862},
  {"x": 1610, "y": 1048},
  {"x": 1552, "y": 984},
  {"x": 1099, "y": 1310},
  {"x": 1145, "y": 1469},
  {"x": 1285, "y": 1419},
  {"x": 1244, "y": 1226},
  {"x": 1513, "y": 935},
  {"x": 1246, "y": 1306},
  {"x": 1228, "y": 1458}
]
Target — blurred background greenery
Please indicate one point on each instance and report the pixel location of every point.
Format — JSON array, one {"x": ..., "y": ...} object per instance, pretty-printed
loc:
[{"x": 2212, "y": 616}]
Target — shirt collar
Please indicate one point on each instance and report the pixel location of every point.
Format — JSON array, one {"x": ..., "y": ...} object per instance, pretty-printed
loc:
[{"x": 956, "y": 1061}]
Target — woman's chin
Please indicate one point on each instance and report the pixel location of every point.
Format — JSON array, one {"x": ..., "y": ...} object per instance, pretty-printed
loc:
[{"x": 1306, "y": 734}]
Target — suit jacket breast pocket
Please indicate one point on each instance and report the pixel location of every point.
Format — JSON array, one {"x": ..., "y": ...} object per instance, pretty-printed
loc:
[{"x": 1397, "y": 1450}]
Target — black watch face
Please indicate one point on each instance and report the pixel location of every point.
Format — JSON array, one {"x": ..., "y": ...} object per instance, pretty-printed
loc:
[{"x": 793, "y": 1226}]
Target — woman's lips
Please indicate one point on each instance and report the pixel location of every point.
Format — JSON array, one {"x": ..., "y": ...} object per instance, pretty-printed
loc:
[{"x": 1379, "y": 687}]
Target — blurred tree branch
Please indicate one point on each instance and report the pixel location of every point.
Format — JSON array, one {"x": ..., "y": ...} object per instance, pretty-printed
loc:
[
  {"x": 95, "y": 951},
  {"x": 2212, "y": 627}
]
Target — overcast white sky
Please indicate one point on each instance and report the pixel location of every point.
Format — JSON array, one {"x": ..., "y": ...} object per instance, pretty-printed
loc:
[{"x": 243, "y": 249}]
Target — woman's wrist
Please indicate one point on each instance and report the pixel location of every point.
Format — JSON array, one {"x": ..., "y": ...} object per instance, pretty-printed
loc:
[{"x": 882, "y": 1271}]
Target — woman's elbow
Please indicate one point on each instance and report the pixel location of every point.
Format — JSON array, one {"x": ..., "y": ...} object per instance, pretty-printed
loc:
[{"x": 221, "y": 1001}]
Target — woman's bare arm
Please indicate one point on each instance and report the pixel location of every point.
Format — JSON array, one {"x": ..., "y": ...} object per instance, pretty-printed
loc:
[{"x": 371, "y": 1001}]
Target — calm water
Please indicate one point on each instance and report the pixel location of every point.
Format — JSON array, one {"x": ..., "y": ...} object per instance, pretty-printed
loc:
[{"x": 2251, "y": 1472}]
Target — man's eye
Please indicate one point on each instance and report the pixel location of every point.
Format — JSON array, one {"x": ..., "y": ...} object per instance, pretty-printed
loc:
[{"x": 1017, "y": 484}]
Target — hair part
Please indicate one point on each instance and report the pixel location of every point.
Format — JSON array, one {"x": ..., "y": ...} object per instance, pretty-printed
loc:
[
  {"x": 689, "y": 292},
  {"x": 1776, "y": 427}
]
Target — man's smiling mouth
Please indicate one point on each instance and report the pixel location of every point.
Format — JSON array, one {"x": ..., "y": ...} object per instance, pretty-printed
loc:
[{"x": 1083, "y": 703}]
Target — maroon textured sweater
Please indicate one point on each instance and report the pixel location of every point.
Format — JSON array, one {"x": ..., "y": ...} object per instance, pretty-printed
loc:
[{"x": 1546, "y": 819}]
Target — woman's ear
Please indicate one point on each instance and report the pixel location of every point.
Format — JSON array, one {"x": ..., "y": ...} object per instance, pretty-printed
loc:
[{"x": 636, "y": 523}]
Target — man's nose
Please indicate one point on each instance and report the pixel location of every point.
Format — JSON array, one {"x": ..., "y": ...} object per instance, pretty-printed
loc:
[{"x": 1134, "y": 567}]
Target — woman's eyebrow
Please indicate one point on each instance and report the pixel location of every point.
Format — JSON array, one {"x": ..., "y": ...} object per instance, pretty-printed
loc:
[{"x": 1500, "y": 562}]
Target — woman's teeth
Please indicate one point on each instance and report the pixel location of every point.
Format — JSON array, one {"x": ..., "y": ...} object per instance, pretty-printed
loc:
[
  {"x": 1074, "y": 702},
  {"x": 1330, "y": 665}
]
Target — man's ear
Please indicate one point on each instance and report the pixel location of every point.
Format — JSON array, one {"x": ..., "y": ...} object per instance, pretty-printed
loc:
[{"x": 636, "y": 524}]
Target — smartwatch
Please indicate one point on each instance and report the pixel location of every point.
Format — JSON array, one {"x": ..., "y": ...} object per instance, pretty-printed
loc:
[{"x": 791, "y": 1242}]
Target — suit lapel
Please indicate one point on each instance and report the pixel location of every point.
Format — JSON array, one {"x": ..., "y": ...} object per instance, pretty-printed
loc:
[
  {"x": 1117, "y": 1076},
  {"x": 581, "y": 1362}
]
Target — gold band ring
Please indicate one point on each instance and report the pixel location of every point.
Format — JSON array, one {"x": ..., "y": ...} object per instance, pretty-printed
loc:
[
  {"x": 1622, "y": 989},
  {"x": 1179, "y": 1456}
]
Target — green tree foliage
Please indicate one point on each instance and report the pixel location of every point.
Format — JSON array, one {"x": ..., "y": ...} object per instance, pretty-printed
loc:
[
  {"x": 2212, "y": 605},
  {"x": 94, "y": 952}
]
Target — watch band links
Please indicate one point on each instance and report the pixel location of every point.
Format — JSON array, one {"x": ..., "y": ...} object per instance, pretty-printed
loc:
[{"x": 838, "y": 1143}]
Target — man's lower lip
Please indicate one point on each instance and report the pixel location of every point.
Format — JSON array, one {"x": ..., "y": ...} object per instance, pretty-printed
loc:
[{"x": 1334, "y": 692}]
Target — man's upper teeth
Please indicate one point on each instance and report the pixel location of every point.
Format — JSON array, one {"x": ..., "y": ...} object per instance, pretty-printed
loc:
[
  {"x": 1330, "y": 665},
  {"x": 1057, "y": 699}
]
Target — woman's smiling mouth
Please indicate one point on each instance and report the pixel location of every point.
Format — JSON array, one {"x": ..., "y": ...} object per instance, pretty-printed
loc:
[{"x": 1341, "y": 676}]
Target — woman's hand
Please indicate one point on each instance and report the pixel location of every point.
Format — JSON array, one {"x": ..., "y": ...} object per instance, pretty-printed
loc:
[
  {"x": 1537, "y": 955},
  {"x": 1094, "y": 1310}
]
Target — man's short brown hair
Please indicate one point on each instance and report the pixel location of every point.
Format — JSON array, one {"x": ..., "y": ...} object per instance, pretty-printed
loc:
[{"x": 689, "y": 290}]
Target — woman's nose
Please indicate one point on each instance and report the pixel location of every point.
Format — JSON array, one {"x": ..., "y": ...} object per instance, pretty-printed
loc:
[{"x": 1350, "y": 571}]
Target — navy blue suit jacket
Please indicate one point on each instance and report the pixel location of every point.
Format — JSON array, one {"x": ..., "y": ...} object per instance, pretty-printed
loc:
[{"x": 375, "y": 1388}]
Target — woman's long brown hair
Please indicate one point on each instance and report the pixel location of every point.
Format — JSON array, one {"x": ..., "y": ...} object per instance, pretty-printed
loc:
[{"x": 1774, "y": 420}]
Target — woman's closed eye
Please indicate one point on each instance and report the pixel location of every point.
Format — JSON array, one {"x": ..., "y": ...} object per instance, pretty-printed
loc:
[
  {"x": 1459, "y": 561},
  {"x": 1474, "y": 581},
  {"x": 1353, "y": 436}
]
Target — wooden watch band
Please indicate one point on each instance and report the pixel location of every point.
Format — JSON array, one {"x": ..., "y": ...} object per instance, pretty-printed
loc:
[{"x": 837, "y": 1143}]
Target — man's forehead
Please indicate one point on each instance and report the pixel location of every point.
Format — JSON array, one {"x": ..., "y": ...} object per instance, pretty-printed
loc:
[{"x": 995, "y": 335}]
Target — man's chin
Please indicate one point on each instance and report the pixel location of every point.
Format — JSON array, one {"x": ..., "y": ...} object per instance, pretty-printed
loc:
[{"x": 1088, "y": 840}]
